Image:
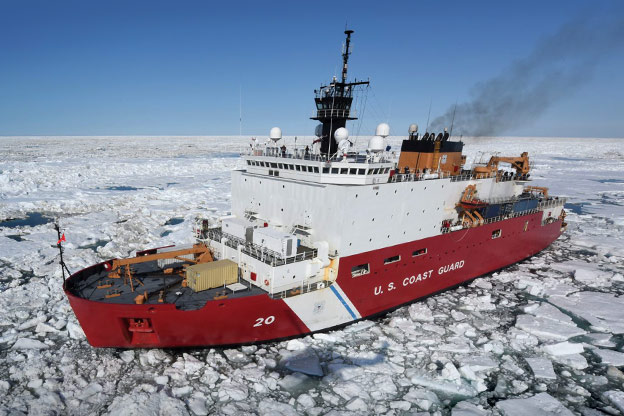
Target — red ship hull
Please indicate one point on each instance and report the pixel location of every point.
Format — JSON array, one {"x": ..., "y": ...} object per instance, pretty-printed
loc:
[{"x": 451, "y": 259}]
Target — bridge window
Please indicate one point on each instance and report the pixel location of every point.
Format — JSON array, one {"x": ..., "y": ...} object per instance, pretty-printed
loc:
[
  {"x": 344, "y": 171},
  {"x": 325, "y": 170},
  {"x": 298, "y": 167},
  {"x": 316, "y": 169},
  {"x": 360, "y": 270},
  {"x": 361, "y": 171},
  {"x": 392, "y": 259},
  {"x": 310, "y": 169},
  {"x": 353, "y": 171},
  {"x": 335, "y": 171}
]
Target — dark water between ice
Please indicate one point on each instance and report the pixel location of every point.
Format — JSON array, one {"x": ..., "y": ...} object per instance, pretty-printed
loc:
[{"x": 32, "y": 220}]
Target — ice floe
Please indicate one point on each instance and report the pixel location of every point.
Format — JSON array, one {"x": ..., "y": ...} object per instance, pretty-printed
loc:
[{"x": 544, "y": 336}]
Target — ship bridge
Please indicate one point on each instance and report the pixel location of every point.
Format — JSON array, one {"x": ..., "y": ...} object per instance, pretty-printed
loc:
[{"x": 350, "y": 168}]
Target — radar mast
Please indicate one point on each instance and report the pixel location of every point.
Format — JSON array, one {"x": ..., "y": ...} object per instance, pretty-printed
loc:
[{"x": 333, "y": 103}]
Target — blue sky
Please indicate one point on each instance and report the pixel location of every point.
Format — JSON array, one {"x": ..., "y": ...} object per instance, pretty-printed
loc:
[{"x": 175, "y": 68}]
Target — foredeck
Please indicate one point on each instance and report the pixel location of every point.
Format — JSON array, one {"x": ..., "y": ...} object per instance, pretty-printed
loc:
[{"x": 148, "y": 278}]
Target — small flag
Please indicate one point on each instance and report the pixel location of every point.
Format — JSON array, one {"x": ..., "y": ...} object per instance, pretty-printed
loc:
[{"x": 61, "y": 239}]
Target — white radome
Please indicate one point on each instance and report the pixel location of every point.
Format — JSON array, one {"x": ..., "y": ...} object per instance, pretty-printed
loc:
[
  {"x": 341, "y": 134},
  {"x": 376, "y": 144},
  {"x": 275, "y": 134},
  {"x": 413, "y": 128},
  {"x": 383, "y": 130}
]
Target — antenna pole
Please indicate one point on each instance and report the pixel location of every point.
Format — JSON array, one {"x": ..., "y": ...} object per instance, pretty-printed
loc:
[
  {"x": 453, "y": 120},
  {"x": 345, "y": 56},
  {"x": 240, "y": 111},
  {"x": 60, "y": 247}
]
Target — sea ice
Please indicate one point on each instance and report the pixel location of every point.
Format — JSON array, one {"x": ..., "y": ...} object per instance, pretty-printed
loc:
[
  {"x": 29, "y": 344},
  {"x": 616, "y": 398},
  {"x": 563, "y": 348},
  {"x": 609, "y": 356},
  {"x": 540, "y": 404},
  {"x": 114, "y": 199},
  {"x": 603, "y": 311},
  {"x": 307, "y": 363},
  {"x": 541, "y": 368}
]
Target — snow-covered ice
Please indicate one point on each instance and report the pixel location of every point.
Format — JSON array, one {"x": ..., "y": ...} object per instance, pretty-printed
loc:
[{"x": 545, "y": 336}]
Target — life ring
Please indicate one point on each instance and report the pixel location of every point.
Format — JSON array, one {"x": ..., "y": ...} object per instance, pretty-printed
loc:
[
  {"x": 107, "y": 266},
  {"x": 266, "y": 282}
]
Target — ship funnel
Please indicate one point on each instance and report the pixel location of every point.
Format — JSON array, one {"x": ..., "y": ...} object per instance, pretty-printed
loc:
[
  {"x": 383, "y": 130},
  {"x": 275, "y": 134}
]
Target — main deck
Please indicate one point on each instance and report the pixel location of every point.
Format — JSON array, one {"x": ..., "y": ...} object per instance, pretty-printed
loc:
[{"x": 153, "y": 285}]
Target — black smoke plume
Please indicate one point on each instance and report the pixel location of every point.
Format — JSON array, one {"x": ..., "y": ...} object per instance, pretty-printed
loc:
[{"x": 557, "y": 66}]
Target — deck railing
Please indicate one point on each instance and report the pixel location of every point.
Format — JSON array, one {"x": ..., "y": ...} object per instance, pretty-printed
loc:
[
  {"x": 554, "y": 202},
  {"x": 263, "y": 254}
]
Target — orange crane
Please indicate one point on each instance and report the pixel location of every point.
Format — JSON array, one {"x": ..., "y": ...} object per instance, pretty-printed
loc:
[
  {"x": 521, "y": 164},
  {"x": 200, "y": 251}
]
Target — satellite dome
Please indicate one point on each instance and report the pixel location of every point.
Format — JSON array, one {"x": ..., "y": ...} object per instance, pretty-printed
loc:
[
  {"x": 413, "y": 128},
  {"x": 275, "y": 134},
  {"x": 376, "y": 144},
  {"x": 341, "y": 134},
  {"x": 318, "y": 131},
  {"x": 383, "y": 130}
]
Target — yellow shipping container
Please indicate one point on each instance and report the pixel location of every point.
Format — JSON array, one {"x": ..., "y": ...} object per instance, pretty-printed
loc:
[{"x": 206, "y": 276}]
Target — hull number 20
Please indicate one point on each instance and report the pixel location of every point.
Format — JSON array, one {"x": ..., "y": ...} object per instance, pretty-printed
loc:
[{"x": 265, "y": 321}]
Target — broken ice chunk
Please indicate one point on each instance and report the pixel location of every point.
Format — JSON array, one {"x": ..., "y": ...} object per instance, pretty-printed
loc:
[
  {"x": 563, "y": 348},
  {"x": 542, "y": 368},
  {"x": 616, "y": 398},
  {"x": 307, "y": 363},
  {"x": 609, "y": 356},
  {"x": 29, "y": 344},
  {"x": 540, "y": 404}
]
